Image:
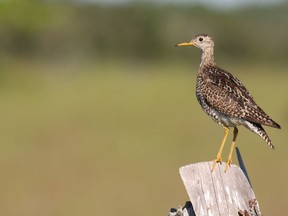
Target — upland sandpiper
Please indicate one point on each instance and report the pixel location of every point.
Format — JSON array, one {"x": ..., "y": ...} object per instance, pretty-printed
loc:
[{"x": 225, "y": 99}]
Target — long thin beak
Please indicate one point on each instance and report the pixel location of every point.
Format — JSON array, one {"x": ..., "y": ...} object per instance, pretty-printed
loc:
[{"x": 185, "y": 44}]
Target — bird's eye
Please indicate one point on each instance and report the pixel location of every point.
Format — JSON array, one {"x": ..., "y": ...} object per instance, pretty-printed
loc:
[{"x": 200, "y": 39}]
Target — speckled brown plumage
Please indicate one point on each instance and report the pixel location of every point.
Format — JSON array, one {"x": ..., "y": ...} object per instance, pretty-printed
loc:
[{"x": 225, "y": 99}]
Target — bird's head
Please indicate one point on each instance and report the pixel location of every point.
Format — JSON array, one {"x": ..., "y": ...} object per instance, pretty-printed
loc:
[{"x": 201, "y": 41}]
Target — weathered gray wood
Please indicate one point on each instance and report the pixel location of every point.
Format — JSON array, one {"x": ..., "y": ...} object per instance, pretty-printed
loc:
[
  {"x": 218, "y": 193},
  {"x": 187, "y": 210}
]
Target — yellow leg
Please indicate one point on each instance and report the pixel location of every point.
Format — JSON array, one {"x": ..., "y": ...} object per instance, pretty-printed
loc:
[
  {"x": 219, "y": 155},
  {"x": 229, "y": 161}
]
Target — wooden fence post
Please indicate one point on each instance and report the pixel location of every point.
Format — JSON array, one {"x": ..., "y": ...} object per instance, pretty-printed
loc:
[{"x": 217, "y": 193}]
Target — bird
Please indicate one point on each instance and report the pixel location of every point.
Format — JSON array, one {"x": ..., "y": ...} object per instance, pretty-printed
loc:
[{"x": 225, "y": 99}]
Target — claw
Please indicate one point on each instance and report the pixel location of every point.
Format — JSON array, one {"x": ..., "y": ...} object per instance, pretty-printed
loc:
[
  {"x": 228, "y": 163},
  {"x": 217, "y": 160}
]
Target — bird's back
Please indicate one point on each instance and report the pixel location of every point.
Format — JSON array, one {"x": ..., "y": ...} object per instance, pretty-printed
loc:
[{"x": 220, "y": 91}]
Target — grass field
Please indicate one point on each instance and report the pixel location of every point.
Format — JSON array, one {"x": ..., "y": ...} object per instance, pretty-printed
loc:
[{"x": 108, "y": 139}]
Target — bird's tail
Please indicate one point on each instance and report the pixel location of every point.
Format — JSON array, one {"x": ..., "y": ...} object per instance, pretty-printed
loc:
[{"x": 259, "y": 130}]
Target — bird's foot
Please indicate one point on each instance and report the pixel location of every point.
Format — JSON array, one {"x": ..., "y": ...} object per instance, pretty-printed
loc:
[
  {"x": 217, "y": 160},
  {"x": 228, "y": 163}
]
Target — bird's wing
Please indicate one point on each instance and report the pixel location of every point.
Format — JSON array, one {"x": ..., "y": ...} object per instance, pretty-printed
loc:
[{"x": 226, "y": 89}]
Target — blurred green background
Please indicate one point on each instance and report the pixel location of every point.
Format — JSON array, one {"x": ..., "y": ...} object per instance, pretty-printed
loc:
[{"x": 98, "y": 108}]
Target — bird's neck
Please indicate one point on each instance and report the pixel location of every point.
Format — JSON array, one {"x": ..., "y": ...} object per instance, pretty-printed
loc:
[{"x": 207, "y": 58}]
